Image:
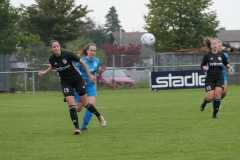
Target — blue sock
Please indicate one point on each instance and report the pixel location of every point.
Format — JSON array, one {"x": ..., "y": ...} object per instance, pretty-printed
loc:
[
  {"x": 213, "y": 103},
  {"x": 86, "y": 119},
  {"x": 223, "y": 95}
]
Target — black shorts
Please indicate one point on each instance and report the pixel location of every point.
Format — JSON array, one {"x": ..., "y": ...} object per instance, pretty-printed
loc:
[
  {"x": 78, "y": 85},
  {"x": 211, "y": 83}
]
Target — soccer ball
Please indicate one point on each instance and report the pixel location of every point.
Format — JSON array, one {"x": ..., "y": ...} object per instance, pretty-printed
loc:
[
  {"x": 147, "y": 39},
  {"x": 231, "y": 70}
]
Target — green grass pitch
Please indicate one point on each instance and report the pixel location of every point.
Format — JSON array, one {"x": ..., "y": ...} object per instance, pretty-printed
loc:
[{"x": 141, "y": 124}]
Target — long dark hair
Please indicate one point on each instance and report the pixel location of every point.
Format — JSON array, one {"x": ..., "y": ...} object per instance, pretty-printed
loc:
[{"x": 51, "y": 42}]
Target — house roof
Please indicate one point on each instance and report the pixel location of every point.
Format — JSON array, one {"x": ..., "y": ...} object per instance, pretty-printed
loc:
[
  {"x": 133, "y": 38},
  {"x": 192, "y": 50},
  {"x": 13, "y": 58},
  {"x": 229, "y": 35}
]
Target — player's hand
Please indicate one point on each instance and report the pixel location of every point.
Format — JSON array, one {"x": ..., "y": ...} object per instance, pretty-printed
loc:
[
  {"x": 41, "y": 73},
  {"x": 102, "y": 68},
  {"x": 205, "y": 68},
  {"x": 92, "y": 78},
  {"x": 228, "y": 66}
]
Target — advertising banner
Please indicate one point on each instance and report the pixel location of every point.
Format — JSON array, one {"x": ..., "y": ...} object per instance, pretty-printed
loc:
[{"x": 177, "y": 79}]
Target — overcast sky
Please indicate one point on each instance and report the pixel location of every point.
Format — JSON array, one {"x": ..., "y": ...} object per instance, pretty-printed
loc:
[{"x": 130, "y": 12}]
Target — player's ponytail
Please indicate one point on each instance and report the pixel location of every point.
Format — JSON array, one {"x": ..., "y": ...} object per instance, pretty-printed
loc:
[{"x": 207, "y": 42}]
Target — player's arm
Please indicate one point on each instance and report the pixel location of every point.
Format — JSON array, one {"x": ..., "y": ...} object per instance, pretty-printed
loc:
[
  {"x": 42, "y": 73},
  {"x": 227, "y": 56},
  {"x": 90, "y": 76},
  {"x": 226, "y": 62},
  {"x": 77, "y": 59},
  {"x": 204, "y": 63},
  {"x": 101, "y": 69}
]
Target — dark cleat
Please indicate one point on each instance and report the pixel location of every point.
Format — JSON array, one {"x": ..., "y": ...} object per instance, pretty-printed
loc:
[
  {"x": 214, "y": 116},
  {"x": 202, "y": 107},
  {"x": 84, "y": 129}
]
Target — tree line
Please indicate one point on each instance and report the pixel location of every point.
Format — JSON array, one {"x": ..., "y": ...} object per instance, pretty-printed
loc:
[{"x": 27, "y": 30}]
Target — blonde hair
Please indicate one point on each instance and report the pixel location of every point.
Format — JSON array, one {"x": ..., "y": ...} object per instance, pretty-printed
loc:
[{"x": 83, "y": 52}]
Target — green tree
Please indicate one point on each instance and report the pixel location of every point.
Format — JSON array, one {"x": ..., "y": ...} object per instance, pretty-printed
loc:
[
  {"x": 24, "y": 40},
  {"x": 97, "y": 36},
  {"x": 76, "y": 45},
  {"x": 180, "y": 24},
  {"x": 112, "y": 23},
  {"x": 95, "y": 32},
  {"x": 11, "y": 35},
  {"x": 91, "y": 25},
  {"x": 54, "y": 19},
  {"x": 8, "y": 32},
  {"x": 80, "y": 43}
]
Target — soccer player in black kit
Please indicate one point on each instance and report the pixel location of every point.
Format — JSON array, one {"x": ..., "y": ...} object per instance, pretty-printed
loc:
[
  {"x": 70, "y": 78},
  {"x": 214, "y": 82}
]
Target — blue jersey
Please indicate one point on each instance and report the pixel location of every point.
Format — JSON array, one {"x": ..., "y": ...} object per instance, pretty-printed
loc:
[
  {"x": 92, "y": 65},
  {"x": 224, "y": 72}
]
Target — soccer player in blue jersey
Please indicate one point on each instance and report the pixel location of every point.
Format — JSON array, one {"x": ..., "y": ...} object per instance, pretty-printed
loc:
[
  {"x": 224, "y": 72},
  {"x": 88, "y": 56}
]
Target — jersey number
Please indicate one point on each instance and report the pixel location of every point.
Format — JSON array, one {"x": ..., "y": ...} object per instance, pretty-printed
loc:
[
  {"x": 208, "y": 88},
  {"x": 65, "y": 90}
]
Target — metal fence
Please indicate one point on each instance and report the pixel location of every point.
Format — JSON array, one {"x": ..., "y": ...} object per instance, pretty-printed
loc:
[{"x": 21, "y": 75}]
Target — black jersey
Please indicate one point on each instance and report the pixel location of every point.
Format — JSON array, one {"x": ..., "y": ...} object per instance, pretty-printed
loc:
[
  {"x": 214, "y": 63},
  {"x": 65, "y": 66}
]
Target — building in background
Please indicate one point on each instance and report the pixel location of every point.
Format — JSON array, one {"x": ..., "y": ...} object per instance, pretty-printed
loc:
[{"x": 231, "y": 37}]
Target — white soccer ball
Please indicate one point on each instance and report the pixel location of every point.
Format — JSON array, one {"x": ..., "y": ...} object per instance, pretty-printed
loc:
[
  {"x": 231, "y": 70},
  {"x": 147, "y": 39}
]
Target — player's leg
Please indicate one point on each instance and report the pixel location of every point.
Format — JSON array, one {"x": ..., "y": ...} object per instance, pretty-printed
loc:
[
  {"x": 217, "y": 101},
  {"x": 68, "y": 94},
  {"x": 203, "y": 105},
  {"x": 209, "y": 88},
  {"x": 91, "y": 94},
  {"x": 224, "y": 92},
  {"x": 83, "y": 96},
  {"x": 88, "y": 115},
  {"x": 78, "y": 102},
  {"x": 217, "y": 95},
  {"x": 225, "y": 86}
]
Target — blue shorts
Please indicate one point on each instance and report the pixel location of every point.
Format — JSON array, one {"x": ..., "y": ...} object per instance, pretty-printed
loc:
[
  {"x": 224, "y": 76},
  {"x": 91, "y": 92}
]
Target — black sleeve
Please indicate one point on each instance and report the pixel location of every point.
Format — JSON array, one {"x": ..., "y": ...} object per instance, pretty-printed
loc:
[
  {"x": 225, "y": 60},
  {"x": 74, "y": 57},
  {"x": 50, "y": 61},
  {"x": 204, "y": 61}
]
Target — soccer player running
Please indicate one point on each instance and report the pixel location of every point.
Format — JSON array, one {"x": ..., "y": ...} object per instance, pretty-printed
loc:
[
  {"x": 70, "y": 78},
  {"x": 224, "y": 72},
  {"x": 214, "y": 82},
  {"x": 88, "y": 54}
]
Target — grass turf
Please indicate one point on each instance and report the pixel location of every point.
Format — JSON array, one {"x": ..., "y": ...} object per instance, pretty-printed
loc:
[{"x": 141, "y": 124}]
